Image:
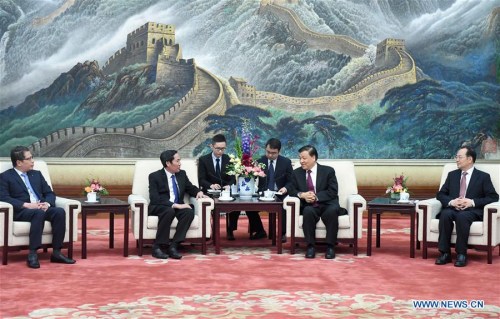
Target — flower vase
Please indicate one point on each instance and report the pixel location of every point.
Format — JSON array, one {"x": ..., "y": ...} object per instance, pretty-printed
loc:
[
  {"x": 246, "y": 187},
  {"x": 395, "y": 196},
  {"x": 92, "y": 197}
]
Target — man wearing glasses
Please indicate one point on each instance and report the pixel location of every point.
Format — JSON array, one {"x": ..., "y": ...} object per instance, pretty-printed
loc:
[
  {"x": 278, "y": 173},
  {"x": 212, "y": 176},
  {"x": 33, "y": 201},
  {"x": 463, "y": 195}
]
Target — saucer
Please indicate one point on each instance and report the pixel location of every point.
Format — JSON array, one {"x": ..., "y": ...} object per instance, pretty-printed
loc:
[
  {"x": 265, "y": 199},
  {"x": 226, "y": 199},
  {"x": 95, "y": 201},
  {"x": 404, "y": 201},
  {"x": 213, "y": 191}
]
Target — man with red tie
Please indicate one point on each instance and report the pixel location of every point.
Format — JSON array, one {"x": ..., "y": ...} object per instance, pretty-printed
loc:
[
  {"x": 316, "y": 186},
  {"x": 166, "y": 194},
  {"x": 463, "y": 195}
]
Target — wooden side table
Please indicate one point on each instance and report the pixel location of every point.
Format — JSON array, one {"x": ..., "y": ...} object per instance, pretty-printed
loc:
[
  {"x": 380, "y": 205},
  {"x": 105, "y": 205}
]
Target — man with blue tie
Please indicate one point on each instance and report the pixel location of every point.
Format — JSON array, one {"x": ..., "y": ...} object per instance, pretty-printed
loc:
[
  {"x": 278, "y": 174},
  {"x": 33, "y": 201},
  {"x": 167, "y": 187}
]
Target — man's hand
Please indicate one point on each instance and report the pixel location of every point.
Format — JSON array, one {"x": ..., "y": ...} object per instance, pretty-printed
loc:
[
  {"x": 201, "y": 195},
  {"x": 309, "y": 197},
  {"x": 43, "y": 206},
  {"x": 180, "y": 206},
  {"x": 215, "y": 186},
  {"x": 461, "y": 203},
  {"x": 282, "y": 190}
]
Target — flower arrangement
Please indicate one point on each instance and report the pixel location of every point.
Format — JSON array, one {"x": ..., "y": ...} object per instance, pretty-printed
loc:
[
  {"x": 242, "y": 164},
  {"x": 93, "y": 185},
  {"x": 398, "y": 186}
]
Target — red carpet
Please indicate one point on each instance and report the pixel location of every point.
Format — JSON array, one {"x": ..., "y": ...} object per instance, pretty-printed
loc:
[{"x": 248, "y": 280}]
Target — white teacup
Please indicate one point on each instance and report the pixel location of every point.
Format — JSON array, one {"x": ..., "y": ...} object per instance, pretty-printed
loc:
[
  {"x": 225, "y": 194},
  {"x": 404, "y": 196},
  {"x": 268, "y": 194}
]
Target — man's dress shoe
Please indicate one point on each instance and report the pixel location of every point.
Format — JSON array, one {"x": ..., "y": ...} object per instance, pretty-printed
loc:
[
  {"x": 258, "y": 235},
  {"x": 230, "y": 235},
  {"x": 60, "y": 258},
  {"x": 461, "y": 260},
  {"x": 283, "y": 238},
  {"x": 330, "y": 253},
  {"x": 173, "y": 253},
  {"x": 33, "y": 261},
  {"x": 310, "y": 252},
  {"x": 443, "y": 259},
  {"x": 158, "y": 253}
]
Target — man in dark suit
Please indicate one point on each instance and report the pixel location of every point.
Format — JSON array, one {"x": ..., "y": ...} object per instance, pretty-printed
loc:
[
  {"x": 316, "y": 186},
  {"x": 278, "y": 173},
  {"x": 167, "y": 187},
  {"x": 463, "y": 195},
  {"x": 33, "y": 201},
  {"x": 212, "y": 175}
]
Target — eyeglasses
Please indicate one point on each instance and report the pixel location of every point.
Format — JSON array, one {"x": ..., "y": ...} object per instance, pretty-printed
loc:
[
  {"x": 220, "y": 149},
  {"x": 28, "y": 159}
]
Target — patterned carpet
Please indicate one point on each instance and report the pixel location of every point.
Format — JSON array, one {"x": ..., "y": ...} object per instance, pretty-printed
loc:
[{"x": 249, "y": 280}]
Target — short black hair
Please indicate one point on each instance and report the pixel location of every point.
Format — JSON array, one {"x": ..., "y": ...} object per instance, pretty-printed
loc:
[
  {"x": 310, "y": 149},
  {"x": 17, "y": 154},
  {"x": 274, "y": 144},
  {"x": 167, "y": 156},
  {"x": 470, "y": 152},
  {"x": 219, "y": 138}
]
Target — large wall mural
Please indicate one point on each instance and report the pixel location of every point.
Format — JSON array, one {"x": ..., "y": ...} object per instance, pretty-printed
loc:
[{"x": 362, "y": 79}]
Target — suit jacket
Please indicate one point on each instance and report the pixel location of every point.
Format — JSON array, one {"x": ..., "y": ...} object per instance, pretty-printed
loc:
[
  {"x": 14, "y": 191},
  {"x": 159, "y": 192},
  {"x": 480, "y": 189},
  {"x": 206, "y": 172},
  {"x": 327, "y": 189},
  {"x": 282, "y": 172}
]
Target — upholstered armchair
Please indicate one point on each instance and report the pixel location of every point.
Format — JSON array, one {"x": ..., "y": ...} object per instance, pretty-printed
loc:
[
  {"x": 14, "y": 235},
  {"x": 145, "y": 227},
  {"x": 484, "y": 235},
  {"x": 350, "y": 225}
]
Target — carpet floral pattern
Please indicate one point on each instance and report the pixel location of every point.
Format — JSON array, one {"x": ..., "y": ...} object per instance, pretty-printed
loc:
[{"x": 247, "y": 280}]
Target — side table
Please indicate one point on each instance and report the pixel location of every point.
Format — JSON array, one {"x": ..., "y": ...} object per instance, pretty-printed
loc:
[
  {"x": 105, "y": 205},
  {"x": 380, "y": 205}
]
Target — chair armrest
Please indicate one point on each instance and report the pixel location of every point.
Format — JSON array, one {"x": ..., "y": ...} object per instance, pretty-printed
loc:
[
  {"x": 356, "y": 205},
  {"x": 70, "y": 206},
  {"x": 431, "y": 207},
  {"x": 355, "y": 199},
  {"x": 495, "y": 216},
  {"x": 291, "y": 220},
  {"x": 9, "y": 209},
  {"x": 198, "y": 204},
  {"x": 134, "y": 199}
]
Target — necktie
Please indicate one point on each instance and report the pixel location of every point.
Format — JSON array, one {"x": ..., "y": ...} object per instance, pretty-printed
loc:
[
  {"x": 310, "y": 185},
  {"x": 176, "y": 190},
  {"x": 217, "y": 167},
  {"x": 270, "y": 176},
  {"x": 463, "y": 185},
  {"x": 33, "y": 196}
]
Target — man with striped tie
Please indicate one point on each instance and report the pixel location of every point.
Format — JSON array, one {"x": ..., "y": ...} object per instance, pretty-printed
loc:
[{"x": 167, "y": 187}]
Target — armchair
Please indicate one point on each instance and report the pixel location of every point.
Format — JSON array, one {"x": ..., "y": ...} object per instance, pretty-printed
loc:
[
  {"x": 14, "y": 235},
  {"x": 350, "y": 225},
  {"x": 484, "y": 235},
  {"x": 145, "y": 226}
]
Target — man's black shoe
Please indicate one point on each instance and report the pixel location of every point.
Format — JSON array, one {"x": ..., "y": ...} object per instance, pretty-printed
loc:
[
  {"x": 330, "y": 253},
  {"x": 310, "y": 252},
  {"x": 461, "y": 260},
  {"x": 33, "y": 261},
  {"x": 57, "y": 257},
  {"x": 158, "y": 253},
  {"x": 258, "y": 235},
  {"x": 173, "y": 253},
  {"x": 230, "y": 235},
  {"x": 283, "y": 238},
  {"x": 443, "y": 259}
]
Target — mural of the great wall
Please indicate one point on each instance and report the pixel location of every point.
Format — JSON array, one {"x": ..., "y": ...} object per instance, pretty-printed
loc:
[{"x": 361, "y": 79}]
